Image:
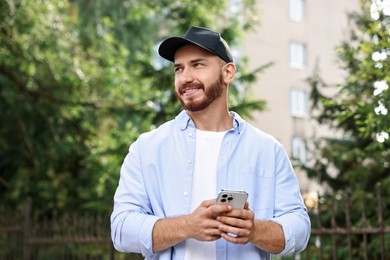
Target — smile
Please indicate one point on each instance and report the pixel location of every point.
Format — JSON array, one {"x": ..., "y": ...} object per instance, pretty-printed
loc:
[{"x": 190, "y": 90}]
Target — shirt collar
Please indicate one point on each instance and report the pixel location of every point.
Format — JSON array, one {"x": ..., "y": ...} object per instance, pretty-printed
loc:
[{"x": 185, "y": 121}]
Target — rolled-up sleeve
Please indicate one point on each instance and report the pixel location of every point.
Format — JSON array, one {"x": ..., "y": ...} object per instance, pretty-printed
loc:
[
  {"x": 132, "y": 232},
  {"x": 290, "y": 211},
  {"x": 296, "y": 228},
  {"x": 132, "y": 221}
]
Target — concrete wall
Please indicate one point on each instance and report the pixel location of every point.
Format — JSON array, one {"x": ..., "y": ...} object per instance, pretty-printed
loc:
[{"x": 324, "y": 27}]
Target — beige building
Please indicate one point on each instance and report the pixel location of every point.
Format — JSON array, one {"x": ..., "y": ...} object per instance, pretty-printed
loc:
[{"x": 297, "y": 35}]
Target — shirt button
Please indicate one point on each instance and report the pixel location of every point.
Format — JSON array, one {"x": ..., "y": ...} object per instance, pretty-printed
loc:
[
  {"x": 190, "y": 134},
  {"x": 189, "y": 162},
  {"x": 185, "y": 194}
]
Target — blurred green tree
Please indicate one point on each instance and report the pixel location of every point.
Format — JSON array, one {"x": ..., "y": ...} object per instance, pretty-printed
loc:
[
  {"x": 360, "y": 158},
  {"x": 357, "y": 160},
  {"x": 80, "y": 80}
]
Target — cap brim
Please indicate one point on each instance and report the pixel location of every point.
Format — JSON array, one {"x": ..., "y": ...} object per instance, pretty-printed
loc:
[{"x": 169, "y": 47}]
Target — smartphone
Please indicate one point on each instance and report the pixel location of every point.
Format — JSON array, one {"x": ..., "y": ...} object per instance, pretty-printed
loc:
[{"x": 236, "y": 198}]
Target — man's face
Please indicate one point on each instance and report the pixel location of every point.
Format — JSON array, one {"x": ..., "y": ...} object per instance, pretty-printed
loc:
[{"x": 198, "y": 77}]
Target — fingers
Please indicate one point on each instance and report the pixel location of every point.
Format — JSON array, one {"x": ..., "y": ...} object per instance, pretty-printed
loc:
[
  {"x": 239, "y": 214},
  {"x": 236, "y": 235},
  {"x": 207, "y": 203},
  {"x": 206, "y": 230},
  {"x": 202, "y": 221},
  {"x": 210, "y": 222},
  {"x": 229, "y": 224},
  {"x": 235, "y": 239},
  {"x": 236, "y": 226},
  {"x": 218, "y": 210},
  {"x": 209, "y": 233},
  {"x": 212, "y": 210}
]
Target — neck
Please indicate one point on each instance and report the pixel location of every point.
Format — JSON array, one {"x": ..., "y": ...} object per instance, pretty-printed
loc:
[{"x": 212, "y": 120}]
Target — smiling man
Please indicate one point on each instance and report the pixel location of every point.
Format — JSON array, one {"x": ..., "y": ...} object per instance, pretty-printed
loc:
[{"x": 165, "y": 206}]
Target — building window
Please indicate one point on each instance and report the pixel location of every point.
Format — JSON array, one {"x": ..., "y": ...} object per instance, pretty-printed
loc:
[
  {"x": 299, "y": 149},
  {"x": 296, "y": 10},
  {"x": 297, "y": 53},
  {"x": 298, "y": 102}
]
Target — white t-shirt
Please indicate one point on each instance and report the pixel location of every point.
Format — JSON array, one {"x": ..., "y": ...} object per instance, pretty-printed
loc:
[{"x": 204, "y": 185}]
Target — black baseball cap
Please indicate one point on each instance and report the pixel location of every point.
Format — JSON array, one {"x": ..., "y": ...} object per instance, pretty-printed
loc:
[{"x": 205, "y": 38}]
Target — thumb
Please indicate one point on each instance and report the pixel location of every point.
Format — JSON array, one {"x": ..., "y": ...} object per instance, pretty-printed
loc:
[{"x": 208, "y": 203}]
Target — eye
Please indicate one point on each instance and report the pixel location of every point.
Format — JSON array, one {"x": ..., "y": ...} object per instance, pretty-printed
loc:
[
  {"x": 198, "y": 65},
  {"x": 177, "y": 70}
]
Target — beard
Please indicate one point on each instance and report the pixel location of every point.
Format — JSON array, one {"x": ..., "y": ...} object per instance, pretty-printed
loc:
[{"x": 211, "y": 93}]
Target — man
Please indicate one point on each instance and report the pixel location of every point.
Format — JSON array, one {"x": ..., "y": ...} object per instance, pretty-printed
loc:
[{"x": 165, "y": 202}]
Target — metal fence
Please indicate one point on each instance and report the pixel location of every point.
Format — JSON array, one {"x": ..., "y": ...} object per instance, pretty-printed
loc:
[
  {"x": 70, "y": 236},
  {"x": 338, "y": 232},
  {"x": 345, "y": 227}
]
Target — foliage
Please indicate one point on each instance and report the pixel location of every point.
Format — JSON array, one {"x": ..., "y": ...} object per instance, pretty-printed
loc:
[
  {"x": 361, "y": 156},
  {"x": 357, "y": 159},
  {"x": 80, "y": 80}
]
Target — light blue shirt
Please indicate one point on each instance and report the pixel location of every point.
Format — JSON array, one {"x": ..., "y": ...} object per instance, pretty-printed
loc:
[{"x": 156, "y": 179}]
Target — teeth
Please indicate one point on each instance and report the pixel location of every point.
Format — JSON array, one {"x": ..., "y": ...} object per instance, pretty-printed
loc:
[{"x": 189, "y": 90}]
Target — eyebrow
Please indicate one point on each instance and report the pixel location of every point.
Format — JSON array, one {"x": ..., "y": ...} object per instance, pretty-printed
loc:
[{"x": 192, "y": 61}]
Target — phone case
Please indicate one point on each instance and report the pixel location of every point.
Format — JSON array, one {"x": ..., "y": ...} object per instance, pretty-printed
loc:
[{"x": 236, "y": 198}]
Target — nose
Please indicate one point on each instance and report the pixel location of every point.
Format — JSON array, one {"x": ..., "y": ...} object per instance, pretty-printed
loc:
[{"x": 186, "y": 76}]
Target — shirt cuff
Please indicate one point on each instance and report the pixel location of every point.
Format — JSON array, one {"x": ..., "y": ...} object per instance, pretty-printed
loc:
[
  {"x": 144, "y": 230},
  {"x": 289, "y": 238}
]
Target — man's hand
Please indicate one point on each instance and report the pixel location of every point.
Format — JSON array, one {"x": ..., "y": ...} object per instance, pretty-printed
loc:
[
  {"x": 202, "y": 222},
  {"x": 237, "y": 225},
  {"x": 210, "y": 222}
]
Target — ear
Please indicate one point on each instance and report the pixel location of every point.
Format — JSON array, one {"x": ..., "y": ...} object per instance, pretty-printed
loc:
[{"x": 229, "y": 70}]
